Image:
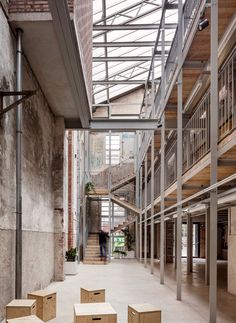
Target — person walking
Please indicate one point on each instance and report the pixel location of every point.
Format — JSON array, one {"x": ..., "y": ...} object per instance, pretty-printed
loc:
[{"x": 103, "y": 236}]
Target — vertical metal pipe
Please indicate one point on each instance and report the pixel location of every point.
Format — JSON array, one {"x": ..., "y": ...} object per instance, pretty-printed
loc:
[
  {"x": 213, "y": 148},
  {"x": 179, "y": 153},
  {"x": 141, "y": 217},
  {"x": 145, "y": 215},
  {"x": 18, "y": 251}
]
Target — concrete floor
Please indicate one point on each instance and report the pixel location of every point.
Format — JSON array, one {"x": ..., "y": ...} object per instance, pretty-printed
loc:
[{"x": 127, "y": 282}]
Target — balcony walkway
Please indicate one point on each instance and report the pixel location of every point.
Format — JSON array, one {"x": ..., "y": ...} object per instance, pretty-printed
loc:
[{"x": 127, "y": 282}]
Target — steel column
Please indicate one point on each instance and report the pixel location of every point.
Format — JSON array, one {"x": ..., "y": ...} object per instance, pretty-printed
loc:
[
  {"x": 18, "y": 246},
  {"x": 162, "y": 184},
  {"x": 175, "y": 243},
  {"x": 109, "y": 190},
  {"x": 152, "y": 173},
  {"x": 179, "y": 152},
  {"x": 213, "y": 159},
  {"x": 79, "y": 193},
  {"x": 140, "y": 216},
  {"x": 113, "y": 224},
  {"x": 189, "y": 244},
  {"x": 162, "y": 179},
  {"x": 137, "y": 191},
  {"x": 207, "y": 245},
  {"x": 145, "y": 214},
  {"x": 152, "y": 203}
]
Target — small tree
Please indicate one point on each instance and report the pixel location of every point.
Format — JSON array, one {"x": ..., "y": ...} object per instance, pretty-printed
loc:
[{"x": 129, "y": 239}]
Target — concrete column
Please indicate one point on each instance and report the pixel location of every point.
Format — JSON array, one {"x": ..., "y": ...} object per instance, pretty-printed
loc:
[
  {"x": 58, "y": 188},
  {"x": 207, "y": 245},
  {"x": 189, "y": 245}
]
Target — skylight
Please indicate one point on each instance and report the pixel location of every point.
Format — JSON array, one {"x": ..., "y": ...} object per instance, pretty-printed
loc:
[{"x": 122, "y": 56}]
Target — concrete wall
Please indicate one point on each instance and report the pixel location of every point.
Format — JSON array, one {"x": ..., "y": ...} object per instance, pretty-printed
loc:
[{"x": 42, "y": 183}]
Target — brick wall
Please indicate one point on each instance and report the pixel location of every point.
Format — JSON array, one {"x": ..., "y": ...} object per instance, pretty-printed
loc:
[{"x": 17, "y": 6}]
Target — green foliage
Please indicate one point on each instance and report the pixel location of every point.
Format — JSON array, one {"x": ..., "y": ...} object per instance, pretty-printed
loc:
[
  {"x": 120, "y": 252},
  {"x": 71, "y": 254},
  {"x": 89, "y": 187},
  {"x": 129, "y": 239}
]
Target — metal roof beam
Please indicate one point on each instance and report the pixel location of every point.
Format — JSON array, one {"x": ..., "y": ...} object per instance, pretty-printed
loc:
[
  {"x": 132, "y": 27},
  {"x": 124, "y": 44},
  {"x": 126, "y": 58},
  {"x": 119, "y": 12},
  {"x": 105, "y": 82}
]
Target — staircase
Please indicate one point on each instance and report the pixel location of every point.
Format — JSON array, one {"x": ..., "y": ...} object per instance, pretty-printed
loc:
[
  {"x": 92, "y": 252},
  {"x": 125, "y": 204},
  {"x": 123, "y": 182}
]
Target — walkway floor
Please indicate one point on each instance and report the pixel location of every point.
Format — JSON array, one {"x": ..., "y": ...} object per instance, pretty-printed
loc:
[{"x": 128, "y": 282}]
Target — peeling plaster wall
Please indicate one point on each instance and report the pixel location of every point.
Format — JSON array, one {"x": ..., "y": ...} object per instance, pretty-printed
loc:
[{"x": 42, "y": 183}]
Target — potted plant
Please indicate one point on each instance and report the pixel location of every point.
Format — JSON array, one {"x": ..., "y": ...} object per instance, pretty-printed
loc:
[
  {"x": 89, "y": 187},
  {"x": 71, "y": 266},
  {"x": 129, "y": 243},
  {"x": 119, "y": 253}
]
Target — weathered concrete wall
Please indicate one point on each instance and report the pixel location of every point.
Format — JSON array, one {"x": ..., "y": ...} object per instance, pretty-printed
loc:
[{"x": 42, "y": 174}]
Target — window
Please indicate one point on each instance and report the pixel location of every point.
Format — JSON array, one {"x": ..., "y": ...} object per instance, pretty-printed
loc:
[{"x": 114, "y": 150}]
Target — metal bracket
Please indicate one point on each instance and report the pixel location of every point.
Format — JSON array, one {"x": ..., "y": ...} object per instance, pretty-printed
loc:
[{"x": 25, "y": 95}]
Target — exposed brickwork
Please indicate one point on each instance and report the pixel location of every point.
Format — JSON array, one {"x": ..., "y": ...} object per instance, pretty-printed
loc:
[{"x": 17, "y": 6}]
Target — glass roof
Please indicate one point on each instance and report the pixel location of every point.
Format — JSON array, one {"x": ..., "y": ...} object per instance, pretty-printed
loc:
[{"x": 111, "y": 75}]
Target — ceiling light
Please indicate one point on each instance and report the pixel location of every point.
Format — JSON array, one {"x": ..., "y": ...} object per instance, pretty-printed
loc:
[{"x": 203, "y": 24}]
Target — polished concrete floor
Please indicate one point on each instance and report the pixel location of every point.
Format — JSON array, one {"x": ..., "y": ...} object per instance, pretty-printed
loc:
[{"x": 128, "y": 282}]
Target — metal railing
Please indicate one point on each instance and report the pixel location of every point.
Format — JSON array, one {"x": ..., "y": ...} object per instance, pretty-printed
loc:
[
  {"x": 190, "y": 12},
  {"x": 196, "y": 134}
]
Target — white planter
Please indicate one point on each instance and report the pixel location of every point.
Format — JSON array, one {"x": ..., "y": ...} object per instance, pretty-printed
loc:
[
  {"x": 71, "y": 268},
  {"x": 130, "y": 254}
]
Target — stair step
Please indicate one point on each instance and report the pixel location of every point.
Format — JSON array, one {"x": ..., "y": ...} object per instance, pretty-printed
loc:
[{"x": 99, "y": 262}]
